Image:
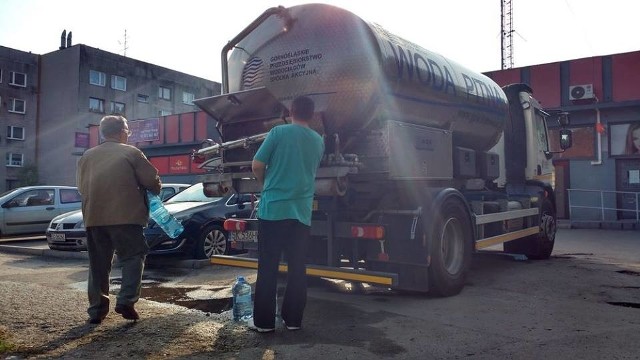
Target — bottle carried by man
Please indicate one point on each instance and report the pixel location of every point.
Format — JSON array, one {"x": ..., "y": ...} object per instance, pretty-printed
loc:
[{"x": 169, "y": 224}]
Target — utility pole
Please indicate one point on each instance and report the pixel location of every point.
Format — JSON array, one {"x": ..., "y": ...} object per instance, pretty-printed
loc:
[{"x": 506, "y": 31}]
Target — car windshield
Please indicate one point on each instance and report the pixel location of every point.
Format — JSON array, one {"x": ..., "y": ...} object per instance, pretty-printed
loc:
[
  {"x": 192, "y": 193},
  {"x": 8, "y": 192}
]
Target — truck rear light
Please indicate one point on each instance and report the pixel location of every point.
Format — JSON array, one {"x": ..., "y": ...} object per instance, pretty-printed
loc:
[
  {"x": 368, "y": 232},
  {"x": 235, "y": 225}
]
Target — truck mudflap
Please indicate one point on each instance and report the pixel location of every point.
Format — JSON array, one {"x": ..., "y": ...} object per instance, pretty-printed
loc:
[{"x": 370, "y": 277}]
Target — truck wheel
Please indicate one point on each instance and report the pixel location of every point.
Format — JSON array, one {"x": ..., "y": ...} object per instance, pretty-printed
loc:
[
  {"x": 451, "y": 249},
  {"x": 212, "y": 241},
  {"x": 539, "y": 246}
]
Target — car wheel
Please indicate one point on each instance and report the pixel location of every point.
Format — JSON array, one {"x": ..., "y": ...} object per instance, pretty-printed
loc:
[{"x": 212, "y": 241}]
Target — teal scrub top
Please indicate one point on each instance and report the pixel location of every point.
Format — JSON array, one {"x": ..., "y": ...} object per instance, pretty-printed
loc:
[{"x": 292, "y": 154}]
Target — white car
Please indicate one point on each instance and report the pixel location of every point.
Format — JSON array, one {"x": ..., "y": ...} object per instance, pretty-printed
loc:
[
  {"x": 67, "y": 232},
  {"x": 168, "y": 190},
  {"x": 28, "y": 210}
]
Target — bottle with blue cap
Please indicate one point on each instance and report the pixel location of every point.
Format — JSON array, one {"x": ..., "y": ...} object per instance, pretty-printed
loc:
[{"x": 242, "y": 303}]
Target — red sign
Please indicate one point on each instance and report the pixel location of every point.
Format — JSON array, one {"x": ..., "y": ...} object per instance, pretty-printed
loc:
[{"x": 179, "y": 164}]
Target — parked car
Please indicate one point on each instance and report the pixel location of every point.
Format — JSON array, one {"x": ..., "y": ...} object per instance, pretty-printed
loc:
[
  {"x": 29, "y": 209},
  {"x": 202, "y": 218},
  {"x": 67, "y": 232},
  {"x": 168, "y": 190}
]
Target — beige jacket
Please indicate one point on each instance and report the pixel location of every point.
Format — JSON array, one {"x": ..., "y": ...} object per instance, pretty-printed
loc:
[{"x": 112, "y": 178}]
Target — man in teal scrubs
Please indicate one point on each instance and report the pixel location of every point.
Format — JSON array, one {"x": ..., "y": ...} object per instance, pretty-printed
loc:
[{"x": 286, "y": 165}]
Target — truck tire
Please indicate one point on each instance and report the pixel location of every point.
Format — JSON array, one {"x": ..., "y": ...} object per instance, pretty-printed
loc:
[
  {"x": 212, "y": 241},
  {"x": 451, "y": 248},
  {"x": 539, "y": 246}
]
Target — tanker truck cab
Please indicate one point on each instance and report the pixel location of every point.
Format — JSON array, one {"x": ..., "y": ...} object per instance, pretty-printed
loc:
[
  {"x": 417, "y": 175},
  {"x": 539, "y": 157},
  {"x": 527, "y": 155}
]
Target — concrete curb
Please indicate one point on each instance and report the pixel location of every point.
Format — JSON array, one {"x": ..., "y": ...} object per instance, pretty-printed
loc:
[
  {"x": 43, "y": 252},
  {"x": 82, "y": 255}
]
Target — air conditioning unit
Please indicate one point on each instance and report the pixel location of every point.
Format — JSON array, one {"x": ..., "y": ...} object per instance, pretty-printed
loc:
[{"x": 580, "y": 92}]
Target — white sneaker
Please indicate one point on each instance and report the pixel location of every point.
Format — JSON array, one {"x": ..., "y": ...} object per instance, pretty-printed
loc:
[{"x": 253, "y": 327}]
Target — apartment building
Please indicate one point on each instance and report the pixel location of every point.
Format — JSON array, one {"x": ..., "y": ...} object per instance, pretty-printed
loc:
[
  {"x": 80, "y": 84},
  {"x": 18, "y": 114}
]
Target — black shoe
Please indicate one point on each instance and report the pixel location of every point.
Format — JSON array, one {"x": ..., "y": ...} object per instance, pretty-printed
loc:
[
  {"x": 97, "y": 320},
  {"x": 127, "y": 312}
]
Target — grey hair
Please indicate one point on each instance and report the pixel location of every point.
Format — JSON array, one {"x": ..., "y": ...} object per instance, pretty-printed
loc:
[{"x": 112, "y": 125}]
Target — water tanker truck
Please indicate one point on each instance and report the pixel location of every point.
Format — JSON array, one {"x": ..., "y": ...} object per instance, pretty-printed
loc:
[{"x": 425, "y": 161}]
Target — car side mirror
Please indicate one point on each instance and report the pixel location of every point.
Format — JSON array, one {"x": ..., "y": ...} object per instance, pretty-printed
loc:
[
  {"x": 10, "y": 204},
  {"x": 566, "y": 140},
  {"x": 563, "y": 118}
]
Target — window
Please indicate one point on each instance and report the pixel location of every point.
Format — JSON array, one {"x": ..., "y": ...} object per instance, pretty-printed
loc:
[
  {"x": 36, "y": 197},
  {"x": 541, "y": 131},
  {"x": 164, "y": 93},
  {"x": 96, "y": 105},
  {"x": 97, "y": 78},
  {"x": 143, "y": 98},
  {"x": 166, "y": 193},
  {"x": 69, "y": 196},
  {"x": 188, "y": 98},
  {"x": 118, "y": 83},
  {"x": 15, "y": 132},
  {"x": 17, "y": 106},
  {"x": 117, "y": 108},
  {"x": 164, "y": 112},
  {"x": 14, "y": 160},
  {"x": 18, "y": 79}
]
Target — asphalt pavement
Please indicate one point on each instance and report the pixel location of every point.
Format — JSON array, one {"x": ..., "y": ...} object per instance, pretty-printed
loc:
[{"x": 580, "y": 304}]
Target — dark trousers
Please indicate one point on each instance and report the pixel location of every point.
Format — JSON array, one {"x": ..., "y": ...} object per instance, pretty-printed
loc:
[
  {"x": 274, "y": 238},
  {"x": 128, "y": 243}
]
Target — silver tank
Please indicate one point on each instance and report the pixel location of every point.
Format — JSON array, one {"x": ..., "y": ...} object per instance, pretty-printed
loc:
[{"x": 359, "y": 74}]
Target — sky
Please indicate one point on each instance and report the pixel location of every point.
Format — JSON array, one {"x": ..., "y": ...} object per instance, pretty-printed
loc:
[{"x": 188, "y": 35}]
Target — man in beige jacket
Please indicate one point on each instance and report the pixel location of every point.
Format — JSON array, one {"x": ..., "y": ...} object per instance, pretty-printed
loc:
[{"x": 113, "y": 178}]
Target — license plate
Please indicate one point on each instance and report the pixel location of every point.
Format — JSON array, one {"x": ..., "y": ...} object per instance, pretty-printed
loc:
[
  {"x": 250, "y": 235},
  {"x": 58, "y": 237}
]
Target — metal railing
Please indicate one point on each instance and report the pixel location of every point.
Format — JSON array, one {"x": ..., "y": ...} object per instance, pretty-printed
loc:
[{"x": 604, "y": 202}]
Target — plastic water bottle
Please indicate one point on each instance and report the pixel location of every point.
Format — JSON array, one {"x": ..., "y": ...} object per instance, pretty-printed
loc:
[
  {"x": 242, "y": 304},
  {"x": 169, "y": 224}
]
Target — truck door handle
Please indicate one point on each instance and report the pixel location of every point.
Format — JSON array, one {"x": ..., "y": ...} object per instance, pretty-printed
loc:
[{"x": 50, "y": 208}]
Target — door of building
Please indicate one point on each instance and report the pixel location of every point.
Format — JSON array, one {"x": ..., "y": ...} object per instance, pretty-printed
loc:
[{"x": 628, "y": 182}]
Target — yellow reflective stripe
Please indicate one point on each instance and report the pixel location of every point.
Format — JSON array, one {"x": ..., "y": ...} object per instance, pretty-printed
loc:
[
  {"x": 481, "y": 244},
  {"x": 311, "y": 271},
  {"x": 235, "y": 262},
  {"x": 336, "y": 274}
]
